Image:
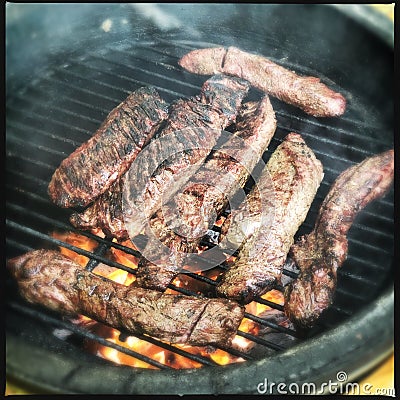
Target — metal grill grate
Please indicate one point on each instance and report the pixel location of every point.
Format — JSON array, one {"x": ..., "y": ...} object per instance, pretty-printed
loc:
[{"x": 48, "y": 119}]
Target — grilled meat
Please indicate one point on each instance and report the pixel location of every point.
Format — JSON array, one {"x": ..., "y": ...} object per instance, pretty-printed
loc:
[
  {"x": 93, "y": 167},
  {"x": 206, "y": 195},
  {"x": 106, "y": 213},
  {"x": 209, "y": 190},
  {"x": 191, "y": 130},
  {"x": 242, "y": 223},
  {"x": 320, "y": 253},
  {"x": 52, "y": 280},
  {"x": 187, "y": 127},
  {"x": 307, "y": 93},
  {"x": 296, "y": 175}
]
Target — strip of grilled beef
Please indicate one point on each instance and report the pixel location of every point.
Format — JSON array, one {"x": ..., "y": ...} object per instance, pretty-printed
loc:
[
  {"x": 205, "y": 196},
  {"x": 214, "y": 108},
  {"x": 106, "y": 213},
  {"x": 193, "y": 124},
  {"x": 307, "y": 93},
  {"x": 320, "y": 253},
  {"x": 94, "y": 166},
  {"x": 295, "y": 174},
  {"x": 50, "y": 279},
  {"x": 242, "y": 223}
]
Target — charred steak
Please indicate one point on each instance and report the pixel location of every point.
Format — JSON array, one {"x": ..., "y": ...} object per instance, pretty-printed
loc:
[
  {"x": 215, "y": 107},
  {"x": 105, "y": 213},
  {"x": 196, "y": 124},
  {"x": 296, "y": 175},
  {"x": 307, "y": 93},
  {"x": 94, "y": 166},
  {"x": 52, "y": 280},
  {"x": 206, "y": 195},
  {"x": 320, "y": 253}
]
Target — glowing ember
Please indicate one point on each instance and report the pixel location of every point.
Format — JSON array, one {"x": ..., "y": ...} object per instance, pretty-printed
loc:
[
  {"x": 83, "y": 242},
  {"x": 143, "y": 347}
]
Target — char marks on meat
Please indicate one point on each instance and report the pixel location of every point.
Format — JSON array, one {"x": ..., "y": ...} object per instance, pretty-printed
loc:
[
  {"x": 93, "y": 167},
  {"x": 307, "y": 93},
  {"x": 192, "y": 129},
  {"x": 206, "y": 195},
  {"x": 320, "y": 253},
  {"x": 52, "y": 280},
  {"x": 295, "y": 174},
  {"x": 214, "y": 108},
  {"x": 105, "y": 213}
]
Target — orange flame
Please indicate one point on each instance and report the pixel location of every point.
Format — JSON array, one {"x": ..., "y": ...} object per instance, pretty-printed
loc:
[
  {"x": 143, "y": 347},
  {"x": 83, "y": 242}
]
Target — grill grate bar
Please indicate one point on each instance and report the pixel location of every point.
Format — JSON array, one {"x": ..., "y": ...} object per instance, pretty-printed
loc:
[
  {"x": 270, "y": 324},
  {"x": 356, "y": 241},
  {"x": 22, "y": 126},
  {"x": 259, "y": 340},
  {"x": 99, "y": 251},
  {"x": 13, "y": 138},
  {"x": 37, "y": 115},
  {"x": 236, "y": 353},
  {"x": 146, "y": 47},
  {"x": 14, "y": 243},
  {"x": 91, "y": 105},
  {"x": 201, "y": 278},
  {"x": 106, "y": 85},
  {"x": 35, "y": 179},
  {"x": 349, "y": 275},
  {"x": 68, "y": 246},
  {"x": 40, "y": 102},
  {"x": 79, "y": 88},
  {"x": 268, "y": 303},
  {"x": 83, "y": 332},
  {"x": 141, "y": 83},
  {"x": 194, "y": 357},
  {"x": 314, "y": 122},
  {"x": 134, "y": 69},
  {"x": 350, "y": 294},
  {"x": 366, "y": 153},
  {"x": 370, "y": 263},
  {"x": 30, "y": 160},
  {"x": 68, "y": 227},
  {"x": 342, "y": 310},
  {"x": 156, "y": 62}
]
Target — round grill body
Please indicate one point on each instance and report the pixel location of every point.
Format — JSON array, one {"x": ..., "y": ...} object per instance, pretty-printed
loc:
[{"x": 68, "y": 66}]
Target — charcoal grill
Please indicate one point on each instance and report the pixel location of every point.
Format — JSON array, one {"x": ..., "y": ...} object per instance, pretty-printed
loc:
[{"x": 62, "y": 81}]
